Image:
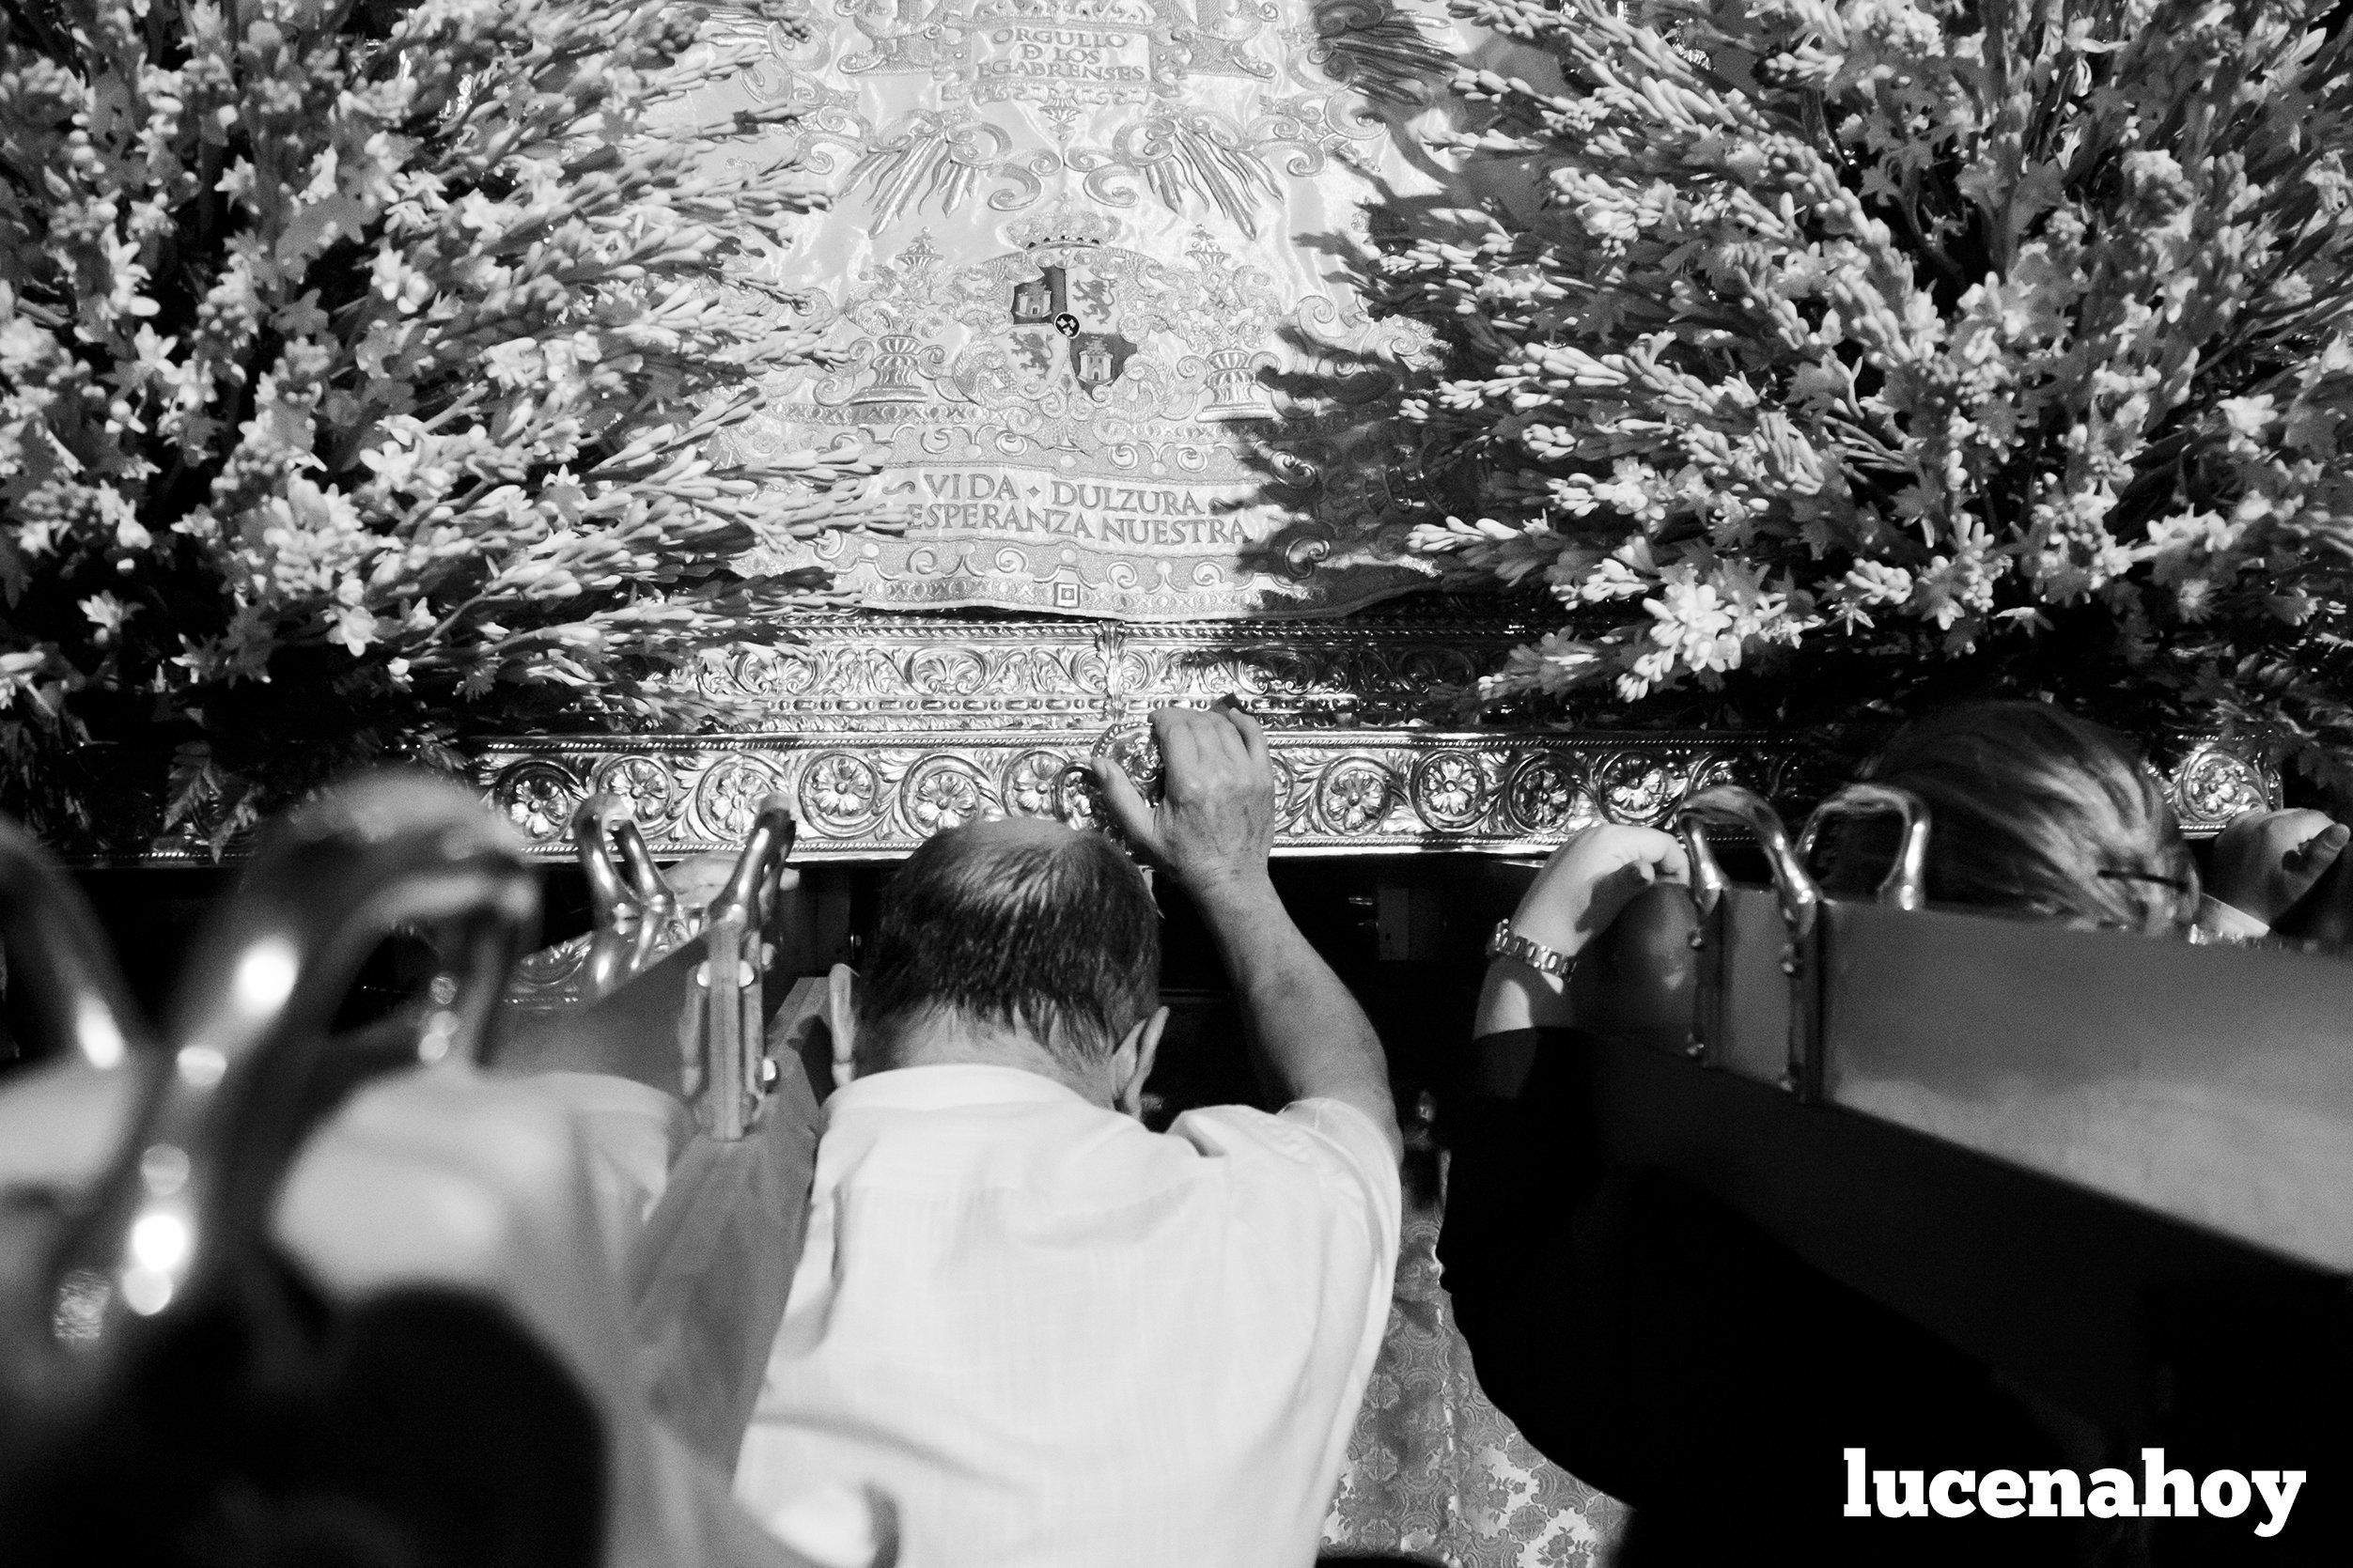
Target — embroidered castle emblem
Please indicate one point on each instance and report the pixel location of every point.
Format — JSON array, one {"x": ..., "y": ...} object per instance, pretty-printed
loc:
[
  {"x": 1041, "y": 299},
  {"x": 1097, "y": 357}
]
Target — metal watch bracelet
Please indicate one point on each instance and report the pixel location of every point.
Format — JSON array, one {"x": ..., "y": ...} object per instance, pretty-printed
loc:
[{"x": 1508, "y": 944}]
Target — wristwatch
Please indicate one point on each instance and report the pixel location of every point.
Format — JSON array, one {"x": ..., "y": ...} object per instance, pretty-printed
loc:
[{"x": 1508, "y": 944}]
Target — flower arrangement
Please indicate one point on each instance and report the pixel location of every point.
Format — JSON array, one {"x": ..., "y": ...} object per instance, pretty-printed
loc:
[
  {"x": 1852, "y": 354},
  {"x": 371, "y": 372}
]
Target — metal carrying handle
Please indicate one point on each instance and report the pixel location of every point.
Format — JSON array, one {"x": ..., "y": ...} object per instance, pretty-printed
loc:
[
  {"x": 62, "y": 969},
  {"x": 609, "y": 893},
  {"x": 1731, "y": 806},
  {"x": 720, "y": 1023},
  {"x": 1905, "y": 884},
  {"x": 750, "y": 890},
  {"x": 251, "y": 1021},
  {"x": 654, "y": 894},
  {"x": 1801, "y": 902},
  {"x": 729, "y": 987},
  {"x": 632, "y": 903},
  {"x": 59, "y": 961},
  {"x": 625, "y": 891}
]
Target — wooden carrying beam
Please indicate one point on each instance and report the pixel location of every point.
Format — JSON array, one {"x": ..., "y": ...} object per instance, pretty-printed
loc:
[{"x": 2056, "y": 1148}]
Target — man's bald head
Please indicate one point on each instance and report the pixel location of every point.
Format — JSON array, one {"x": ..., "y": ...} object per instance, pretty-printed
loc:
[{"x": 1021, "y": 924}]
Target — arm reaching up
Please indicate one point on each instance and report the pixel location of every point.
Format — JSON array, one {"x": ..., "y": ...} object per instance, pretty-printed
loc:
[
  {"x": 1212, "y": 831},
  {"x": 1589, "y": 880}
]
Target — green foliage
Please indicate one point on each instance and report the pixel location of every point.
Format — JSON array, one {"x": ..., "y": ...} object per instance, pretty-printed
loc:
[
  {"x": 366, "y": 370},
  {"x": 1864, "y": 354}
]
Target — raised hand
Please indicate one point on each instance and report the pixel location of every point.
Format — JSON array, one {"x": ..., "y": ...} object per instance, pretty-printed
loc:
[
  {"x": 1585, "y": 886},
  {"x": 1214, "y": 825},
  {"x": 1213, "y": 829},
  {"x": 2265, "y": 862},
  {"x": 1592, "y": 876}
]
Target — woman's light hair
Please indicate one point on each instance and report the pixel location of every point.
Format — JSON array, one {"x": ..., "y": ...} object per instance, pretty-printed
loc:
[{"x": 2032, "y": 811}]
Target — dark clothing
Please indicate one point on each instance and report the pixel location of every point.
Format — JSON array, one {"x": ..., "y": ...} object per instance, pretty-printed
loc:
[
  {"x": 1656, "y": 1344},
  {"x": 269, "y": 1428}
]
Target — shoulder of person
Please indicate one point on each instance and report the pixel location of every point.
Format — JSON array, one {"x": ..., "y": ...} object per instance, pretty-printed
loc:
[{"x": 1326, "y": 1143}]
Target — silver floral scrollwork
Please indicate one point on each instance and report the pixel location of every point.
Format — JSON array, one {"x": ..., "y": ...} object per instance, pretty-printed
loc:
[
  {"x": 1354, "y": 794},
  {"x": 551, "y": 977},
  {"x": 940, "y": 793},
  {"x": 839, "y": 793},
  {"x": 1131, "y": 746},
  {"x": 1289, "y": 802},
  {"x": 1033, "y": 784},
  {"x": 642, "y": 783},
  {"x": 1430, "y": 669},
  {"x": 728, "y": 799},
  {"x": 1450, "y": 790},
  {"x": 773, "y": 674},
  {"x": 946, "y": 671},
  {"x": 1709, "y": 771},
  {"x": 854, "y": 719},
  {"x": 538, "y": 796},
  {"x": 1638, "y": 788},
  {"x": 2212, "y": 785},
  {"x": 1078, "y": 799},
  {"x": 1543, "y": 795}
]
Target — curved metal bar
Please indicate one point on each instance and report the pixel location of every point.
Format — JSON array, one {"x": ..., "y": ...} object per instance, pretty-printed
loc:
[
  {"x": 1730, "y": 806},
  {"x": 735, "y": 926},
  {"x": 610, "y": 896},
  {"x": 750, "y": 893},
  {"x": 251, "y": 1021},
  {"x": 1800, "y": 904},
  {"x": 59, "y": 961},
  {"x": 630, "y": 901},
  {"x": 656, "y": 898},
  {"x": 627, "y": 888},
  {"x": 1905, "y": 884},
  {"x": 697, "y": 963},
  {"x": 62, "y": 970}
]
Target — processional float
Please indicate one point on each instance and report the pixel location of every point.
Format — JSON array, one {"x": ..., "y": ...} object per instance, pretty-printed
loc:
[
  {"x": 1089, "y": 263},
  {"x": 1088, "y": 267}
]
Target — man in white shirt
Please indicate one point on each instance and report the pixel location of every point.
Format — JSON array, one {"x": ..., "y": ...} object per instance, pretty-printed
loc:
[{"x": 1052, "y": 1336}]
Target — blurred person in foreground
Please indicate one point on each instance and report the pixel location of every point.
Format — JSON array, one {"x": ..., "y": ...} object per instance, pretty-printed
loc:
[
  {"x": 1051, "y": 1335},
  {"x": 428, "y": 1363},
  {"x": 1660, "y": 1346}
]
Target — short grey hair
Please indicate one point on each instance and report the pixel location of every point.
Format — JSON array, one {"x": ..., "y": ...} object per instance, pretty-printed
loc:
[{"x": 1057, "y": 937}]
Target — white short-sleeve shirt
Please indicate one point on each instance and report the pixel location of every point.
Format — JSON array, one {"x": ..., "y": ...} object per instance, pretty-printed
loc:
[{"x": 1054, "y": 1337}]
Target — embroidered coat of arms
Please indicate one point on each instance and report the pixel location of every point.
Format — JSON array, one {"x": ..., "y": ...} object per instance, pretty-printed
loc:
[{"x": 1088, "y": 263}]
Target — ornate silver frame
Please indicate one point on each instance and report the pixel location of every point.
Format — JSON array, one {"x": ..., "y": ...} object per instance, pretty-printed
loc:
[{"x": 881, "y": 730}]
